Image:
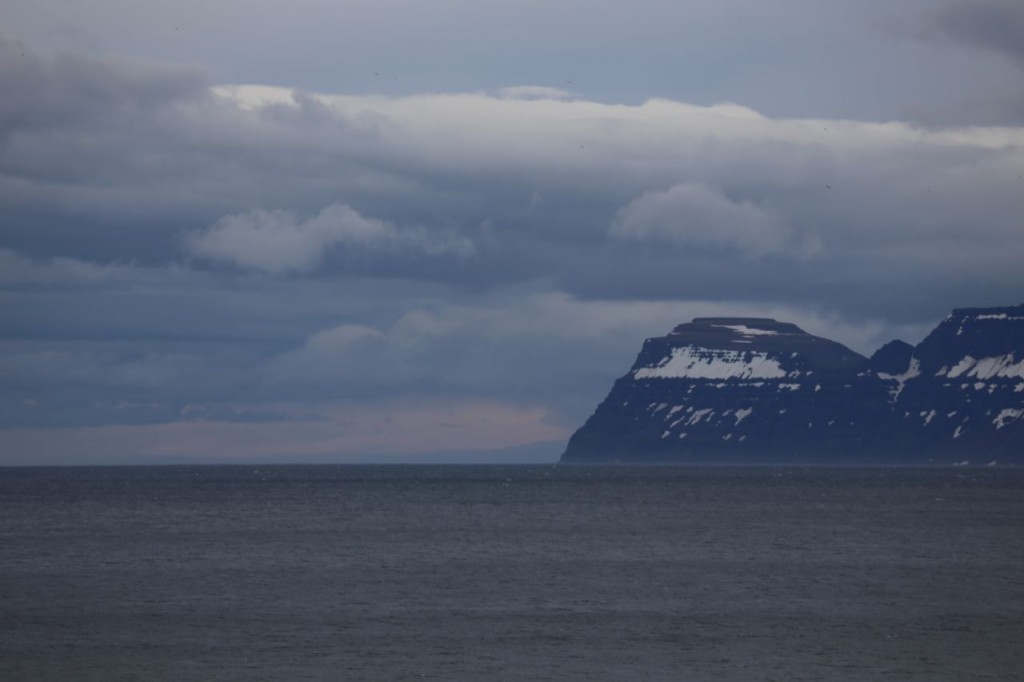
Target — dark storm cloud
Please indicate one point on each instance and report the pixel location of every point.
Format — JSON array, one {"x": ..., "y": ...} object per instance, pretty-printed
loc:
[
  {"x": 72, "y": 91},
  {"x": 981, "y": 43},
  {"x": 997, "y": 25}
]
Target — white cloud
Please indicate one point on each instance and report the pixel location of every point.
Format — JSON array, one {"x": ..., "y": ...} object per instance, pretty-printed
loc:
[
  {"x": 533, "y": 92},
  {"x": 341, "y": 340},
  {"x": 695, "y": 215},
  {"x": 279, "y": 242}
]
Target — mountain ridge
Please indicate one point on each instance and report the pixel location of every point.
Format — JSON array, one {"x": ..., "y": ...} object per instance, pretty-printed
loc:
[{"x": 759, "y": 391}]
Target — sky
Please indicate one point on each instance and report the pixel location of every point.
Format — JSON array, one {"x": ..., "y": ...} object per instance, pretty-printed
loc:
[{"x": 407, "y": 231}]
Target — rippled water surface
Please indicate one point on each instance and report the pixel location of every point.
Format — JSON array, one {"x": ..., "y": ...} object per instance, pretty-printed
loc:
[{"x": 511, "y": 573}]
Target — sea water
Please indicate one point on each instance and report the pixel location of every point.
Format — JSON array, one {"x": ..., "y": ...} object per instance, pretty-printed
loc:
[{"x": 511, "y": 573}]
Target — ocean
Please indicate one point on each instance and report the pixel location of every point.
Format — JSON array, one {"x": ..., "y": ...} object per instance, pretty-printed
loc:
[{"x": 511, "y": 573}]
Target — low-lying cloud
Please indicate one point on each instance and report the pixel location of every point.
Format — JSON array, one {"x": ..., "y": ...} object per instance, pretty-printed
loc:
[
  {"x": 690, "y": 215},
  {"x": 280, "y": 242}
]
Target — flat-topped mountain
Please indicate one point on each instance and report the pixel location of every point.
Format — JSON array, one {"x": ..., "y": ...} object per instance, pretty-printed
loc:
[{"x": 754, "y": 390}]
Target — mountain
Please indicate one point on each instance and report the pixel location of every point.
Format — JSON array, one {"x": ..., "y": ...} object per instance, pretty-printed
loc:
[{"x": 758, "y": 391}]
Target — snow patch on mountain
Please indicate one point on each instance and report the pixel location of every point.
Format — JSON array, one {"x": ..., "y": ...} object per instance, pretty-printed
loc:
[
  {"x": 687, "y": 362},
  {"x": 748, "y": 331},
  {"x": 914, "y": 370},
  {"x": 1006, "y": 416},
  {"x": 986, "y": 368}
]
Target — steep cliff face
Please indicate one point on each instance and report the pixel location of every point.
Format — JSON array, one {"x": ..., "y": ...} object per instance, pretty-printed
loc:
[
  {"x": 961, "y": 392},
  {"x": 754, "y": 390}
]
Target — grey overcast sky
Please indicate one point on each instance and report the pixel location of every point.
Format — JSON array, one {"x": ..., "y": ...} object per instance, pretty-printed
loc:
[{"x": 409, "y": 231}]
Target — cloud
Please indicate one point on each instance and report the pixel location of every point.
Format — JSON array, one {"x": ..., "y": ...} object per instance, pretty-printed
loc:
[
  {"x": 279, "y": 242},
  {"x": 342, "y": 339},
  {"x": 996, "y": 25},
  {"x": 17, "y": 270},
  {"x": 20, "y": 272},
  {"x": 413, "y": 185},
  {"x": 82, "y": 90},
  {"x": 533, "y": 92},
  {"x": 797, "y": 58},
  {"x": 694, "y": 215}
]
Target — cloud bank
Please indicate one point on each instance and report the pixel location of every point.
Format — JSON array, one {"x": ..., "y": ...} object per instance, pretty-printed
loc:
[
  {"x": 696, "y": 216},
  {"x": 279, "y": 242}
]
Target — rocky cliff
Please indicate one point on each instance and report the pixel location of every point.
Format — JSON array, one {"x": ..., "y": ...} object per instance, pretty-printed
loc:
[{"x": 753, "y": 390}]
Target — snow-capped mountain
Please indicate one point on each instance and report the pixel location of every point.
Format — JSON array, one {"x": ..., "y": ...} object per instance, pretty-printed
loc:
[{"x": 759, "y": 391}]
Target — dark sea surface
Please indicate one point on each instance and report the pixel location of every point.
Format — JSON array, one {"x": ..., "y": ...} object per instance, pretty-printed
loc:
[{"x": 511, "y": 573}]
